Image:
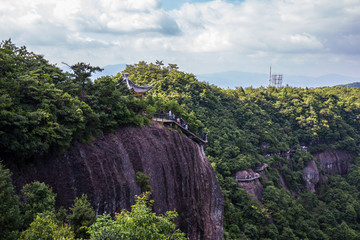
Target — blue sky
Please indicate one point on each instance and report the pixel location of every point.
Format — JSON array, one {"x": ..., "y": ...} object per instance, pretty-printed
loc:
[{"x": 297, "y": 37}]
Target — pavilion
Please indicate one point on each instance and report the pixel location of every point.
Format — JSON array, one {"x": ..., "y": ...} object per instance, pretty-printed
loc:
[{"x": 138, "y": 91}]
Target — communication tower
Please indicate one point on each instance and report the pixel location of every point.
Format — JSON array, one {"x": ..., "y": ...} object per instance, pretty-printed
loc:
[{"x": 275, "y": 80}]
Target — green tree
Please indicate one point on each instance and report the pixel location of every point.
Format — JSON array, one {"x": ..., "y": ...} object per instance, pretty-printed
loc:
[
  {"x": 37, "y": 198},
  {"x": 140, "y": 223},
  {"x": 46, "y": 228},
  {"x": 143, "y": 180},
  {"x": 344, "y": 232},
  {"x": 80, "y": 77},
  {"x": 36, "y": 116},
  {"x": 10, "y": 218},
  {"x": 81, "y": 217},
  {"x": 43, "y": 110}
]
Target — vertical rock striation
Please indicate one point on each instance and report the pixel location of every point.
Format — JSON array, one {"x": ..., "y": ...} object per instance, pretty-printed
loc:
[
  {"x": 181, "y": 177},
  {"x": 334, "y": 161}
]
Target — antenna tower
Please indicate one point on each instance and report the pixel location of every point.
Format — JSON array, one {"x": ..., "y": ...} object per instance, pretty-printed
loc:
[{"x": 275, "y": 80}]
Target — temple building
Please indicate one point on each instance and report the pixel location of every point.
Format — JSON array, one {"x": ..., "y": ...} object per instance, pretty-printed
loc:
[{"x": 138, "y": 91}]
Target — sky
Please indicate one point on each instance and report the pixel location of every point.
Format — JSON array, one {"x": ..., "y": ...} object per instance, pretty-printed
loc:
[{"x": 298, "y": 37}]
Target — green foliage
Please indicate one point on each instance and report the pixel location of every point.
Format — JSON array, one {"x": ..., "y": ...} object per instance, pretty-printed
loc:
[
  {"x": 10, "y": 218},
  {"x": 143, "y": 180},
  {"x": 247, "y": 127},
  {"x": 81, "y": 217},
  {"x": 140, "y": 223},
  {"x": 81, "y": 78},
  {"x": 37, "y": 198},
  {"x": 43, "y": 109},
  {"x": 46, "y": 228},
  {"x": 344, "y": 232},
  {"x": 109, "y": 99}
]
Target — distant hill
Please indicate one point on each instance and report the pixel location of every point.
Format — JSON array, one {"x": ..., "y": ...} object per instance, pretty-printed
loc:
[
  {"x": 234, "y": 79},
  {"x": 354, "y": 85}
]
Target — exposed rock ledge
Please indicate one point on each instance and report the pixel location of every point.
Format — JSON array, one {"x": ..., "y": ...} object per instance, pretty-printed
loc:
[
  {"x": 311, "y": 175},
  {"x": 253, "y": 188},
  {"x": 181, "y": 177},
  {"x": 334, "y": 161}
]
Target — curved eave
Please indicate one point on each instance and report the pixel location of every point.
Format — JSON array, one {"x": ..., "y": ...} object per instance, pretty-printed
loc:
[{"x": 137, "y": 89}]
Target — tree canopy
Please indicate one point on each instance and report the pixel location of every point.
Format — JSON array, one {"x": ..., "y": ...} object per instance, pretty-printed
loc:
[
  {"x": 43, "y": 110},
  {"x": 248, "y": 127},
  {"x": 139, "y": 223}
]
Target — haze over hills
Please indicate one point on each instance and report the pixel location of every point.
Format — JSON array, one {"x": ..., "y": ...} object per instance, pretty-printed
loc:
[
  {"x": 352, "y": 85},
  {"x": 233, "y": 79}
]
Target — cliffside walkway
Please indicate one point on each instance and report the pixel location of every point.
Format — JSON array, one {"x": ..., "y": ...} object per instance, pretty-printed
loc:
[
  {"x": 261, "y": 167},
  {"x": 164, "y": 118},
  {"x": 249, "y": 178}
]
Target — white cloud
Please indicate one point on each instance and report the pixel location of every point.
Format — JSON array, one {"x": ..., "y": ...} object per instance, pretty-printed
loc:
[{"x": 200, "y": 37}]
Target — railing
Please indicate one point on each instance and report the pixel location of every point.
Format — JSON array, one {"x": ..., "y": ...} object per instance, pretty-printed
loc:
[
  {"x": 286, "y": 154},
  {"x": 163, "y": 116},
  {"x": 167, "y": 118},
  {"x": 248, "y": 178}
]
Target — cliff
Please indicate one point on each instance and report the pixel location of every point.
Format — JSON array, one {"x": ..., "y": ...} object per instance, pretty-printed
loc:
[
  {"x": 334, "y": 161},
  {"x": 181, "y": 176},
  {"x": 331, "y": 161},
  {"x": 249, "y": 180},
  {"x": 311, "y": 176}
]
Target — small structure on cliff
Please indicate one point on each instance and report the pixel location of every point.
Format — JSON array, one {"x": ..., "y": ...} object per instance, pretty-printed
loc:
[
  {"x": 261, "y": 167},
  {"x": 166, "y": 119},
  {"x": 138, "y": 91},
  {"x": 247, "y": 178}
]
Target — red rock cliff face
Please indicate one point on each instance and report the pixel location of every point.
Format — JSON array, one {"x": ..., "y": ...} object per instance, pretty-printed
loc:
[
  {"x": 181, "y": 176},
  {"x": 334, "y": 161}
]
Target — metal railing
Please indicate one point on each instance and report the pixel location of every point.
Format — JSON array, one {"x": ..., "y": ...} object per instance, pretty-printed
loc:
[{"x": 166, "y": 117}]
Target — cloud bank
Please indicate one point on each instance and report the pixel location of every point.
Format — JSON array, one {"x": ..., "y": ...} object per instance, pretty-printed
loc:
[{"x": 298, "y": 37}]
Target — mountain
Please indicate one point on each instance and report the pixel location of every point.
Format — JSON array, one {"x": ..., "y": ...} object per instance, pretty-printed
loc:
[
  {"x": 180, "y": 175},
  {"x": 234, "y": 79},
  {"x": 286, "y": 160},
  {"x": 353, "y": 85}
]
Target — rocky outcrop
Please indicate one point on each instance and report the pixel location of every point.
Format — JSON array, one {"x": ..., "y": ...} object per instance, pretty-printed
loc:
[
  {"x": 181, "y": 176},
  {"x": 331, "y": 161},
  {"x": 334, "y": 161},
  {"x": 249, "y": 180},
  {"x": 311, "y": 175}
]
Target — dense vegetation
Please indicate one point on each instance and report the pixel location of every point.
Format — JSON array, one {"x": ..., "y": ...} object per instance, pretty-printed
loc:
[
  {"x": 35, "y": 217},
  {"x": 42, "y": 110},
  {"x": 245, "y": 125}
]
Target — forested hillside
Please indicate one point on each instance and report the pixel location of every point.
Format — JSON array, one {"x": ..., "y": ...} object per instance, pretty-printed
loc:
[
  {"x": 248, "y": 127},
  {"x": 43, "y": 110}
]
